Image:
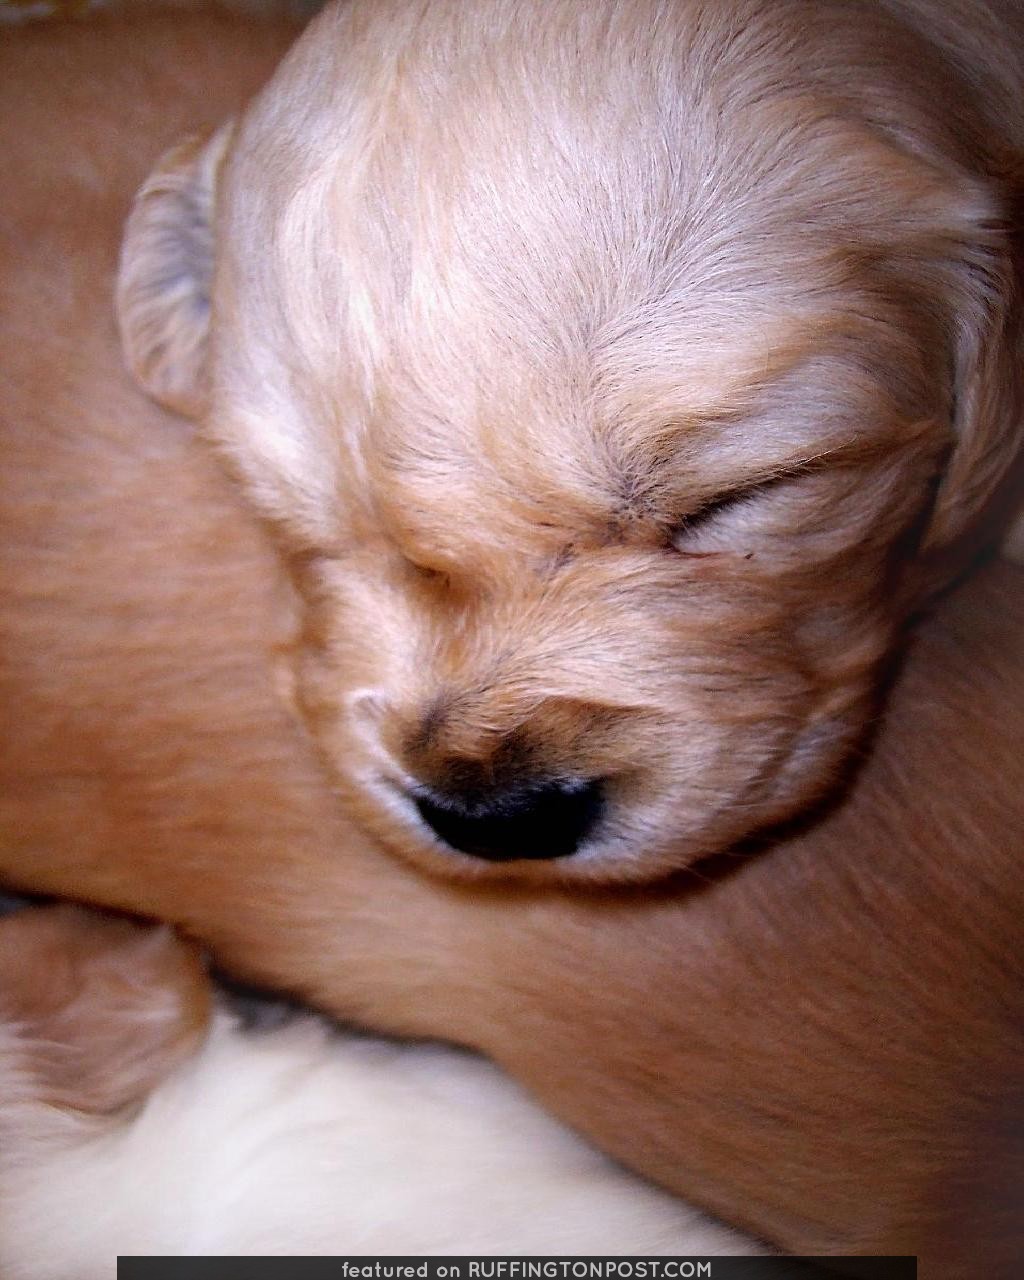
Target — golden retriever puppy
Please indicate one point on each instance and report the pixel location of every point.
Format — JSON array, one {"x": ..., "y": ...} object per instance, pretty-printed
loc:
[
  {"x": 126, "y": 1130},
  {"x": 614, "y": 377},
  {"x": 821, "y": 1043}
]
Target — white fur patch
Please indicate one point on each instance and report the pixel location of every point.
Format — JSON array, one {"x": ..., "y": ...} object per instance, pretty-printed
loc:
[{"x": 303, "y": 1141}]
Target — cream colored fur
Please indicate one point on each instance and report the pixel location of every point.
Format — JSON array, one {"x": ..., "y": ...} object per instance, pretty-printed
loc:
[
  {"x": 629, "y": 371},
  {"x": 291, "y": 1140},
  {"x": 821, "y": 1042}
]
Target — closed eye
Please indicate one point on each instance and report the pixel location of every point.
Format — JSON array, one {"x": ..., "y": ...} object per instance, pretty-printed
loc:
[
  {"x": 721, "y": 524},
  {"x": 685, "y": 535},
  {"x": 427, "y": 573}
]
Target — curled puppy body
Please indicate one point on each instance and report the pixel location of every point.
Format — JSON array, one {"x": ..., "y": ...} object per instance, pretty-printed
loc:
[
  {"x": 125, "y": 1130},
  {"x": 629, "y": 371}
]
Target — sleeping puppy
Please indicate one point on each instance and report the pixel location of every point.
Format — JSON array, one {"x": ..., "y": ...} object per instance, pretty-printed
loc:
[
  {"x": 128, "y": 1125},
  {"x": 821, "y": 1043},
  {"x": 615, "y": 377}
]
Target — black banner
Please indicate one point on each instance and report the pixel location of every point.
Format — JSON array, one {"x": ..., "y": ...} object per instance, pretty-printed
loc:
[{"x": 458, "y": 1268}]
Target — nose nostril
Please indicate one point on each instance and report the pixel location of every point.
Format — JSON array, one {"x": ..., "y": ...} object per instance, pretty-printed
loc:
[{"x": 539, "y": 822}]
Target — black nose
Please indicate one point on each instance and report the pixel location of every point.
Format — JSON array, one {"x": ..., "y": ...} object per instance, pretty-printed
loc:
[{"x": 547, "y": 820}]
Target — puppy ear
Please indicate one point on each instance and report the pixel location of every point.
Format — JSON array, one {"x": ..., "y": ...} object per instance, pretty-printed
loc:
[
  {"x": 102, "y": 1008},
  {"x": 988, "y": 412},
  {"x": 166, "y": 273}
]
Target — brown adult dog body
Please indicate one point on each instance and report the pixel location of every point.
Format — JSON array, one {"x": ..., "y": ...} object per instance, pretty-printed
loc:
[{"x": 823, "y": 1044}]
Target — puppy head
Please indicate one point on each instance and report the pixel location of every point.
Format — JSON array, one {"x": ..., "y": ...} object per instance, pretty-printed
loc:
[{"x": 602, "y": 373}]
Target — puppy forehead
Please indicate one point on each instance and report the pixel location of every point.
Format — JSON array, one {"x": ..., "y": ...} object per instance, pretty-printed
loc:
[
  {"x": 471, "y": 150},
  {"x": 505, "y": 248}
]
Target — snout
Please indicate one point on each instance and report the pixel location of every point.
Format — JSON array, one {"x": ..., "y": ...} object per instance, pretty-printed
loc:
[{"x": 538, "y": 821}]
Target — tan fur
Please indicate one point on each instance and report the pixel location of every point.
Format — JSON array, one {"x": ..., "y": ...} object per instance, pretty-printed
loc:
[
  {"x": 617, "y": 406},
  {"x": 16, "y": 11},
  {"x": 166, "y": 344},
  {"x": 288, "y": 1137},
  {"x": 99, "y": 1009},
  {"x": 822, "y": 1042}
]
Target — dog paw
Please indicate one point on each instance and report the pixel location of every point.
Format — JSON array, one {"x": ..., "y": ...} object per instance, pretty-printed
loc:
[{"x": 101, "y": 1008}]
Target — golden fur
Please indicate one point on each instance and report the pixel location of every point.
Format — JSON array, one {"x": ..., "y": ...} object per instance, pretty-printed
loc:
[
  {"x": 822, "y": 1042},
  {"x": 94, "y": 1011},
  {"x": 626, "y": 370},
  {"x": 284, "y": 1136}
]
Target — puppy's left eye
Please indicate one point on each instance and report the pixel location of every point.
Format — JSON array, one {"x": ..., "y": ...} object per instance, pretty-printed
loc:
[
  {"x": 695, "y": 531},
  {"x": 427, "y": 573}
]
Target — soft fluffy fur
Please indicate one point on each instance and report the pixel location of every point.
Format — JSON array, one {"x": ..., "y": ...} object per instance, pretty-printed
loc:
[
  {"x": 290, "y": 1140},
  {"x": 822, "y": 1042},
  {"x": 617, "y": 367}
]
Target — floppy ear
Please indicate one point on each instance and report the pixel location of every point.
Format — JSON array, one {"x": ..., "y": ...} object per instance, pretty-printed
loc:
[
  {"x": 988, "y": 409},
  {"x": 166, "y": 272}
]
